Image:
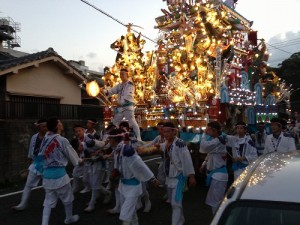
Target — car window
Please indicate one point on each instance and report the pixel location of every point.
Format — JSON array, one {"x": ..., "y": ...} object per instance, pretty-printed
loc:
[{"x": 261, "y": 213}]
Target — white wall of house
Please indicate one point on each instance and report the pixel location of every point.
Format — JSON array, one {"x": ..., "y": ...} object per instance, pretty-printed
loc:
[{"x": 46, "y": 80}]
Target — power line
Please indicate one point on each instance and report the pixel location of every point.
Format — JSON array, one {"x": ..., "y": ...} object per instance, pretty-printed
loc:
[
  {"x": 280, "y": 49},
  {"x": 291, "y": 40},
  {"x": 287, "y": 44},
  {"x": 115, "y": 19}
]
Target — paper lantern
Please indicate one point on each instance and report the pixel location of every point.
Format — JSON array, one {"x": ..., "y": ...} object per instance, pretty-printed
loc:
[{"x": 92, "y": 88}]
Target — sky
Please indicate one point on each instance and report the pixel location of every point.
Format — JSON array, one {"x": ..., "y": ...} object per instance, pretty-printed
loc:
[{"x": 77, "y": 31}]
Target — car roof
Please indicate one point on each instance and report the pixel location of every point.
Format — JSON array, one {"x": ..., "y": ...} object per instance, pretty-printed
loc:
[{"x": 272, "y": 177}]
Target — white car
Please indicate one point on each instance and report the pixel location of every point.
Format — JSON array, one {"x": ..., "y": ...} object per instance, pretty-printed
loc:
[{"x": 266, "y": 193}]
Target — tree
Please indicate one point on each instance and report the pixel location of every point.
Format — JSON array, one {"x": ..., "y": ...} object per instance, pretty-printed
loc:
[{"x": 289, "y": 70}]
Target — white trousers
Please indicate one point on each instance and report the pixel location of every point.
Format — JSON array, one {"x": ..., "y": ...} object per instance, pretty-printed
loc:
[
  {"x": 128, "y": 208},
  {"x": 33, "y": 179},
  {"x": 65, "y": 194},
  {"x": 215, "y": 193},
  {"x": 177, "y": 210},
  {"x": 128, "y": 115}
]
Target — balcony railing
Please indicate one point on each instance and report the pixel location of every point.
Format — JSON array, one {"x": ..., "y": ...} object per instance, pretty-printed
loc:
[{"x": 25, "y": 110}]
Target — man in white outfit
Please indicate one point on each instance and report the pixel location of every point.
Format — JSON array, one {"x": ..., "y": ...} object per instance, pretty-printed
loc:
[
  {"x": 34, "y": 177},
  {"x": 125, "y": 105},
  {"x": 77, "y": 143},
  {"x": 133, "y": 171},
  {"x": 279, "y": 141},
  {"x": 243, "y": 151},
  {"x": 91, "y": 132},
  {"x": 95, "y": 165},
  {"x": 53, "y": 158},
  {"x": 215, "y": 164},
  {"x": 178, "y": 166}
]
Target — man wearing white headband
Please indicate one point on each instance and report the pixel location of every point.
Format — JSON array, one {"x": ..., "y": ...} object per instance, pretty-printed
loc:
[
  {"x": 34, "y": 176},
  {"x": 243, "y": 149},
  {"x": 132, "y": 172},
  {"x": 178, "y": 167},
  {"x": 89, "y": 133},
  {"x": 213, "y": 143},
  {"x": 55, "y": 153},
  {"x": 125, "y": 107},
  {"x": 279, "y": 141}
]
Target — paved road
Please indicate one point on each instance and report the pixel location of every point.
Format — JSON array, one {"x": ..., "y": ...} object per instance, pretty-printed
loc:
[{"x": 196, "y": 212}]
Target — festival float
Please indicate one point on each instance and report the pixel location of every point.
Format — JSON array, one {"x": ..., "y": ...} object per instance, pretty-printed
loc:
[{"x": 208, "y": 65}]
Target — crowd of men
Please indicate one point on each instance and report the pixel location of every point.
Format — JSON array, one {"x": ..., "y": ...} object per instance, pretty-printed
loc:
[{"x": 109, "y": 162}]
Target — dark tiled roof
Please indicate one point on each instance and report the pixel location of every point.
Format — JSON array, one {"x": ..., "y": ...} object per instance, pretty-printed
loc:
[
  {"x": 11, "y": 62},
  {"x": 5, "y": 56}
]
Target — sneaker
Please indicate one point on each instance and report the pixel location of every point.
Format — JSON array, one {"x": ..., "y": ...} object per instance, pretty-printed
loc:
[
  {"x": 85, "y": 190},
  {"x": 107, "y": 198},
  {"x": 73, "y": 219},
  {"x": 19, "y": 208},
  {"x": 113, "y": 211}
]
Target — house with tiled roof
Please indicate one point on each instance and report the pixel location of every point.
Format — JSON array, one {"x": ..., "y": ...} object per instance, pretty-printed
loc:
[
  {"x": 40, "y": 77},
  {"x": 34, "y": 86}
]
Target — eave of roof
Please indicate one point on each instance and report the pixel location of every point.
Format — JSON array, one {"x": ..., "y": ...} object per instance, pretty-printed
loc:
[{"x": 13, "y": 65}]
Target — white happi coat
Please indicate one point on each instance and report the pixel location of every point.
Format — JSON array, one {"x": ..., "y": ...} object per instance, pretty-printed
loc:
[
  {"x": 284, "y": 143},
  {"x": 131, "y": 167},
  {"x": 94, "y": 169},
  {"x": 31, "y": 153},
  {"x": 180, "y": 161},
  {"x": 125, "y": 93},
  {"x": 216, "y": 156},
  {"x": 249, "y": 150},
  {"x": 57, "y": 151}
]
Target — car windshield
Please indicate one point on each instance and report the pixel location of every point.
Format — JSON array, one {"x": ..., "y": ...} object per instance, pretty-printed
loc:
[{"x": 261, "y": 213}]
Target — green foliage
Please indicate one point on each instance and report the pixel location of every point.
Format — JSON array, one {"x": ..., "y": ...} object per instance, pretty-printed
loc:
[{"x": 289, "y": 70}]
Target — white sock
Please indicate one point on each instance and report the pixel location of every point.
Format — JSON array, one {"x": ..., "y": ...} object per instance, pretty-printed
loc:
[
  {"x": 25, "y": 196},
  {"x": 46, "y": 215},
  {"x": 68, "y": 210}
]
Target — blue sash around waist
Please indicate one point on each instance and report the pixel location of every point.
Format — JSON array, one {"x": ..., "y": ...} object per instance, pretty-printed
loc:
[
  {"x": 238, "y": 165},
  {"x": 181, "y": 185},
  {"x": 131, "y": 181},
  {"x": 54, "y": 172},
  {"x": 222, "y": 169},
  {"x": 127, "y": 104},
  {"x": 39, "y": 163},
  {"x": 124, "y": 105}
]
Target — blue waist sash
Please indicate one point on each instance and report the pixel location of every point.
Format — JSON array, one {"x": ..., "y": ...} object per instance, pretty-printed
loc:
[
  {"x": 39, "y": 163},
  {"x": 54, "y": 172},
  {"x": 131, "y": 181},
  {"x": 238, "y": 165},
  {"x": 124, "y": 105},
  {"x": 127, "y": 104},
  {"x": 222, "y": 169},
  {"x": 181, "y": 185}
]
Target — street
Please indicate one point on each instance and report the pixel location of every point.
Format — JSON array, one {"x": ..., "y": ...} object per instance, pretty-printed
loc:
[{"x": 196, "y": 212}]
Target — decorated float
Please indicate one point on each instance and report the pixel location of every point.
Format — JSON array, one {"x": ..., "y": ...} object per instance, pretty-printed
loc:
[{"x": 208, "y": 65}]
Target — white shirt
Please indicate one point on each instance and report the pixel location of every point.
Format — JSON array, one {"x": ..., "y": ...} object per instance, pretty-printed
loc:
[{"x": 284, "y": 143}]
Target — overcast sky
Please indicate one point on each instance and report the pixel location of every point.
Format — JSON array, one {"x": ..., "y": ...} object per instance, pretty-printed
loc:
[{"x": 79, "y": 32}]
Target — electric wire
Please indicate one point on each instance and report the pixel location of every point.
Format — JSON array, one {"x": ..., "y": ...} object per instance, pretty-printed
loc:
[{"x": 115, "y": 19}]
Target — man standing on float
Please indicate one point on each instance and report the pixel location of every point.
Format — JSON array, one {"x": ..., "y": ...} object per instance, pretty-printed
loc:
[{"x": 125, "y": 105}]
